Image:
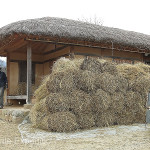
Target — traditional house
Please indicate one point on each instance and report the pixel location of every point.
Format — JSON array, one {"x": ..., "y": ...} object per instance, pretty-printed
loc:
[{"x": 31, "y": 47}]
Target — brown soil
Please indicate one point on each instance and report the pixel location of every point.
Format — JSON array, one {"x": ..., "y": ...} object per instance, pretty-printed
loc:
[{"x": 10, "y": 139}]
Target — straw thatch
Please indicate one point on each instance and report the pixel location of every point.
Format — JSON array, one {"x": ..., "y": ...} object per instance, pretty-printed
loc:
[
  {"x": 71, "y": 29},
  {"x": 94, "y": 93}
]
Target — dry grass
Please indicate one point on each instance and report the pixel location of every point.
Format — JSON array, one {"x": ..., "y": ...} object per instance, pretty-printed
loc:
[
  {"x": 141, "y": 85},
  {"x": 63, "y": 64},
  {"x": 41, "y": 92},
  {"x": 131, "y": 72},
  {"x": 21, "y": 89},
  {"x": 85, "y": 80},
  {"x": 91, "y": 64},
  {"x": 101, "y": 101},
  {"x": 143, "y": 66},
  {"x": 39, "y": 115},
  {"x": 93, "y": 92},
  {"x": 80, "y": 102},
  {"x": 85, "y": 121},
  {"x": 57, "y": 102},
  {"x": 62, "y": 122},
  {"x": 105, "y": 118},
  {"x": 107, "y": 82},
  {"x": 61, "y": 81}
]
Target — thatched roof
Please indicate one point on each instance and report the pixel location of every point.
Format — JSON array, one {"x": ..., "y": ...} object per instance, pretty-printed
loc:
[{"x": 71, "y": 29}]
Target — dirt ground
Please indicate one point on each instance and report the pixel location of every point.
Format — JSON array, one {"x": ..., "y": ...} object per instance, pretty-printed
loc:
[{"x": 122, "y": 139}]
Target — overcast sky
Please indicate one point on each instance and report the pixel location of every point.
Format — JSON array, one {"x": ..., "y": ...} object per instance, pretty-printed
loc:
[{"x": 131, "y": 15}]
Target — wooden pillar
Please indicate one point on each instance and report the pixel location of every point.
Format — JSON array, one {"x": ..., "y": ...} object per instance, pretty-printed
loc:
[
  {"x": 29, "y": 73},
  {"x": 8, "y": 76},
  {"x": 71, "y": 53},
  {"x": 8, "y": 72}
]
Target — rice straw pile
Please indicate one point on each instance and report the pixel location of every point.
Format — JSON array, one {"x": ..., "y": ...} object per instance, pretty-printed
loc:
[
  {"x": 90, "y": 92},
  {"x": 21, "y": 89}
]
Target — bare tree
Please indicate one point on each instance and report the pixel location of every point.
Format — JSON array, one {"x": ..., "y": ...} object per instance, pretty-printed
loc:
[{"x": 94, "y": 20}]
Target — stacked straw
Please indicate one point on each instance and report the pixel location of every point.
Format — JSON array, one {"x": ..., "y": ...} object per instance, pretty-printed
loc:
[
  {"x": 80, "y": 94},
  {"x": 21, "y": 89}
]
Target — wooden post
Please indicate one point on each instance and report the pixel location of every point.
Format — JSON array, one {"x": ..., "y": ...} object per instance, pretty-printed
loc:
[
  {"x": 71, "y": 52},
  {"x": 8, "y": 76},
  {"x": 29, "y": 73}
]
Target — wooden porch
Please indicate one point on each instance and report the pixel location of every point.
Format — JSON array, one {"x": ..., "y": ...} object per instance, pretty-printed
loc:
[{"x": 44, "y": 51}]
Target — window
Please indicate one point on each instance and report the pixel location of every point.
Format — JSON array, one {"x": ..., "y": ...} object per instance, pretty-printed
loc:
[{"x": 23, "y": 72}]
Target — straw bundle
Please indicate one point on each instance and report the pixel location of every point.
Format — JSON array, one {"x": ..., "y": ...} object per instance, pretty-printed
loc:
[
  {"x": 92, "y": 64},
  {"x": 57, "y": 102},
  {"x": 91, "y": 92},
  {"x": 121, "y": 83},
  {"x": 105, "y": 119},
  {"x": 86, "y": 81},
  {"x": 143, "y": 66},
  {"x": 130, "y": 72},
  {"x": 80, "y": 102},
  {"x": 118, "y": 102},
  {"x": 61, "y": 81},
  {"x": 39, "y": 115},
  {"x": 141, "y": 85},
  {"x": 62, "y": 122},
  {"x": 98, "y": 66},
  {"x": 109, "y": 67},
  {"x": 85, "y": 120},
  {"x": 41, "y": 92},
  {"x": 101, "y": 101},
  {"x": 124, "y": 119},
  {"x": 63, "y": 64},
  {"x": 134, "y": 101},
  {"x": 21, "y": 89},
  {"x": 107, "y": 82}
]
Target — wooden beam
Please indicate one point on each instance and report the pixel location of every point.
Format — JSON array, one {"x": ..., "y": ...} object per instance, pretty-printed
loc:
[
  {"x": 11, "y": 44},
  {"x": 113, "y": 57},
  {"x": 29, "y": 73},
  {"x": 33, "y": 62},
  {"x": 55, "y": 50},
  {"x": 17, "y": 97},
  {"x": 53, "y": 59},
  {"x": 138, "y": 50},
  {"x": 18, "y": 44}
]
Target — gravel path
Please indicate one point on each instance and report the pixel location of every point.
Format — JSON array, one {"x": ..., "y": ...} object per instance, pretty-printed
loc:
[{"x": 122, "y": 139}]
